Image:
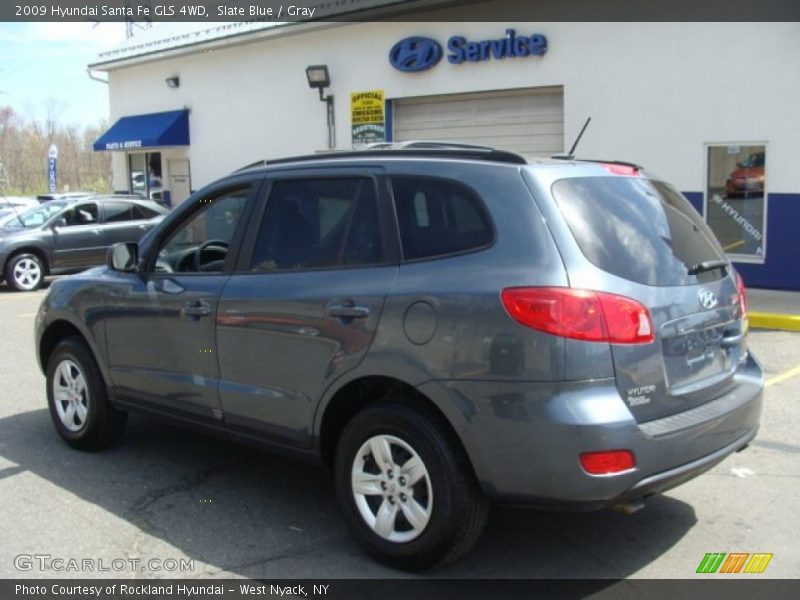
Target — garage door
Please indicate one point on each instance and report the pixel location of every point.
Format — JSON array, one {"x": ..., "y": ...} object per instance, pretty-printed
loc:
[{"x": 527, "y": 121}]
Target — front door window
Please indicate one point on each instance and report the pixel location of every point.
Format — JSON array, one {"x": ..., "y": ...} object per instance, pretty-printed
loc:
[{"x": 201, "y": 244}]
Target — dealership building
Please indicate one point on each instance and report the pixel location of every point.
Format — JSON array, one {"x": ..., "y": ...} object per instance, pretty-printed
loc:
[{"x": 710, "y": 107}]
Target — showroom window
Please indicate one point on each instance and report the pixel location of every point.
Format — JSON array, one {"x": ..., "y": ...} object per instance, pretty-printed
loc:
[{"x": 736, "y": 206}]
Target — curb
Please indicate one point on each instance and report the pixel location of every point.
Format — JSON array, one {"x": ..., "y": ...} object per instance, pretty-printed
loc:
[{"x": 763, "y": 320}]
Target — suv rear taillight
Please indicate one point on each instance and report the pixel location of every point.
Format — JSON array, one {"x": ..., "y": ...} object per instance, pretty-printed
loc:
[
  {"x": 580, "y": 314},
  {"x": 742, "y": 296}
]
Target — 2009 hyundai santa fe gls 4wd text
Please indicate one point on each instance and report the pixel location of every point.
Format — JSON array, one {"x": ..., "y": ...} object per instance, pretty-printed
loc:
[{"x": 442, "y": 327}]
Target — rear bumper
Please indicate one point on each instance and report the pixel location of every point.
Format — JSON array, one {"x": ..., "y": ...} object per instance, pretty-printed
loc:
[
  {"x": 524, "y": 439},
  {"x": 661, "y": 482}
]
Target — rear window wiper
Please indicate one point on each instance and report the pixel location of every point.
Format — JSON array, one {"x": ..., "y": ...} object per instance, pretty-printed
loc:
[{"x": 707, "y": 265}]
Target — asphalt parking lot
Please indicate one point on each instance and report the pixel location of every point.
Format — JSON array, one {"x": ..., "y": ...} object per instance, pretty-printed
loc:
[{"x": 172, "y": 503}]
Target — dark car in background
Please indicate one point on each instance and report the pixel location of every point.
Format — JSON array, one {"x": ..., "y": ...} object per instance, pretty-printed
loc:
[{"x": 70, "y": 234}]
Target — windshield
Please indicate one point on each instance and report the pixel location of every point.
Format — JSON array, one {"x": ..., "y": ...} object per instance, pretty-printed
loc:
[
  {"x": 642, "y": 230},
  {"x": 36, "y": 216}
]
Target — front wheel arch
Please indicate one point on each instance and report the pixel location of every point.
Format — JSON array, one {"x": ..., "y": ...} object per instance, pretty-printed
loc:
[
  {"x": 77, "y": 398},
  {"x": 61, "y": 329}
]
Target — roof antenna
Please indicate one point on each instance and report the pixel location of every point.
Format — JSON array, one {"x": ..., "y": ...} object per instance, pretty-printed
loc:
[{"x": 571, "y": 154}]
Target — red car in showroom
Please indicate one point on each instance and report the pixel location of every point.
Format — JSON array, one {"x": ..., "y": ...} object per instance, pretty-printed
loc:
[{"x": 748, "y": 177}]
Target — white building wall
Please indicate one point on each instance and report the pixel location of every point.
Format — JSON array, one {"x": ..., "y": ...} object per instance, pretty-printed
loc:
[{"x": 656, "y": 92}]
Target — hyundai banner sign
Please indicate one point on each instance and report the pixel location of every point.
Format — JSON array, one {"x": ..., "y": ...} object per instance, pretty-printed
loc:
[
  {"x": 52, "y": 160},
  {"x": 418, "y": 53}
]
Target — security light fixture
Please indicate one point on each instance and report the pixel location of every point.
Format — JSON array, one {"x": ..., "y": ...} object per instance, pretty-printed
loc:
[
  {"x": 319, "y": 78},
  {"x": 173, "y": 82}
]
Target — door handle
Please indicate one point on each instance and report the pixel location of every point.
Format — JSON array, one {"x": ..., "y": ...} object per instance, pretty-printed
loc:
[
  {"x": 346, "y": 310},
  {"x": 196, "y": 308},
  {"x": 96, "y": 231}
]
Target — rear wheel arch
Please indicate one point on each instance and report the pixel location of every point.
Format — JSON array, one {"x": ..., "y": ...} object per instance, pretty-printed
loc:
[
  {"x": 358, "y": 394},
  {"x": 406, "y": 485}
]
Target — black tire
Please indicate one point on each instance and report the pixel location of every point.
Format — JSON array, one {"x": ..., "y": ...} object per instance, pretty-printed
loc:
[
  {"x": 458, "y": 508},
  {"x": 99, "y": 424},
  {"x": 25, "y": 272}
]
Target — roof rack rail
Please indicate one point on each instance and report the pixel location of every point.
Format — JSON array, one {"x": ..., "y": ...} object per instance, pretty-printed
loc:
[
  {"x": 425, "y": 144},
  {"x": 406, "y": 149},
  {"x": 258, "y": 163},
  {"x": 598, "y": 160},
  {"x": 477, "y": 153}
]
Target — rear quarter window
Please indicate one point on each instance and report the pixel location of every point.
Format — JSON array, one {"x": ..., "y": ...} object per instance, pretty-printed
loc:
[
  {"x": 638, "y": 229},
  {"x": 438, "y": 218}
]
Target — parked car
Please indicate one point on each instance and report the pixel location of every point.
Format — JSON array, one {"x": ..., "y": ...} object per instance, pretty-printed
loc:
[
  {"x": 65, "y": 236},
  {"x": 441, "y": 327},
  {"x": 748, "y": 177}
]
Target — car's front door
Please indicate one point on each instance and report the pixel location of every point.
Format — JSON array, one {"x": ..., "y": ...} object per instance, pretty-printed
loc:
[
  {"x": 78, "y": 238},
  {"x": 161, "y": 321},
  {"x": 305, "y": 302}
]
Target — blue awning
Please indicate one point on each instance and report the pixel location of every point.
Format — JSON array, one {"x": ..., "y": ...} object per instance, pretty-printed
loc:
[{"x": 147, "y": 131}]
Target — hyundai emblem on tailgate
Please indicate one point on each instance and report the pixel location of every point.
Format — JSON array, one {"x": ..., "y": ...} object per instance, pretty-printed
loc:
[{"x": 707, "y": 298}]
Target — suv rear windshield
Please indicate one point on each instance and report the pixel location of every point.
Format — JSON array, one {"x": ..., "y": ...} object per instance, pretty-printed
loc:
[{"x": 638, "y": 229}]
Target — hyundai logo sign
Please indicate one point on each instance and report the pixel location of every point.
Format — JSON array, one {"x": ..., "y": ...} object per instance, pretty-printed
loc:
[
  {"x": 417, "y": 53},
  {"x": 707, "y": 298},
  {"x": 414, "y": 54}
]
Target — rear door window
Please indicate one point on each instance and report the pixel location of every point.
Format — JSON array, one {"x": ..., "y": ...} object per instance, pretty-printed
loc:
[
  {"x": 127, "y": 211},
  {"x": 639, "y": 229},
  {"x": 319, "y": 223},
  {"x": 438, "y": 217}
]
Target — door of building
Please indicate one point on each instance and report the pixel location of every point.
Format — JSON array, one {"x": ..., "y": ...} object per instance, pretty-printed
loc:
[{"x": 180, "y": 183}]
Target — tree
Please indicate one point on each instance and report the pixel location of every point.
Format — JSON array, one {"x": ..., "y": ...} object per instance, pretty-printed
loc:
[{"x": 24, "y": 144}]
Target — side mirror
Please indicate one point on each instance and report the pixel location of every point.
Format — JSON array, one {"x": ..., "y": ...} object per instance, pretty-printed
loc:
[
  {"x": 123, "y": 257},
  {"x": 62, "y": 222}
]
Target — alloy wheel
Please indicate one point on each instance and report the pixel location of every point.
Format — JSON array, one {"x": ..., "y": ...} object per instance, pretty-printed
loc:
[
  {"x": 392, "y": 488},
  {"x": 27, "y": 274},
  {"x": 71, "y": 395}
]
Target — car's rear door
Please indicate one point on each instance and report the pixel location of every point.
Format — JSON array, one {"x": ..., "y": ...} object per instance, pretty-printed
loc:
[{"x": 306, "y": 299}]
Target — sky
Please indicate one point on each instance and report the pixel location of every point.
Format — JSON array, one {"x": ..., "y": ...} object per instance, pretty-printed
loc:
[{"x": 44, "y": 64}]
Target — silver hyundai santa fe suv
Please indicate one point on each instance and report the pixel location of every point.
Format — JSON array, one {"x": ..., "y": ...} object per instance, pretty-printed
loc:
[{"x": 442, "y": 327}]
